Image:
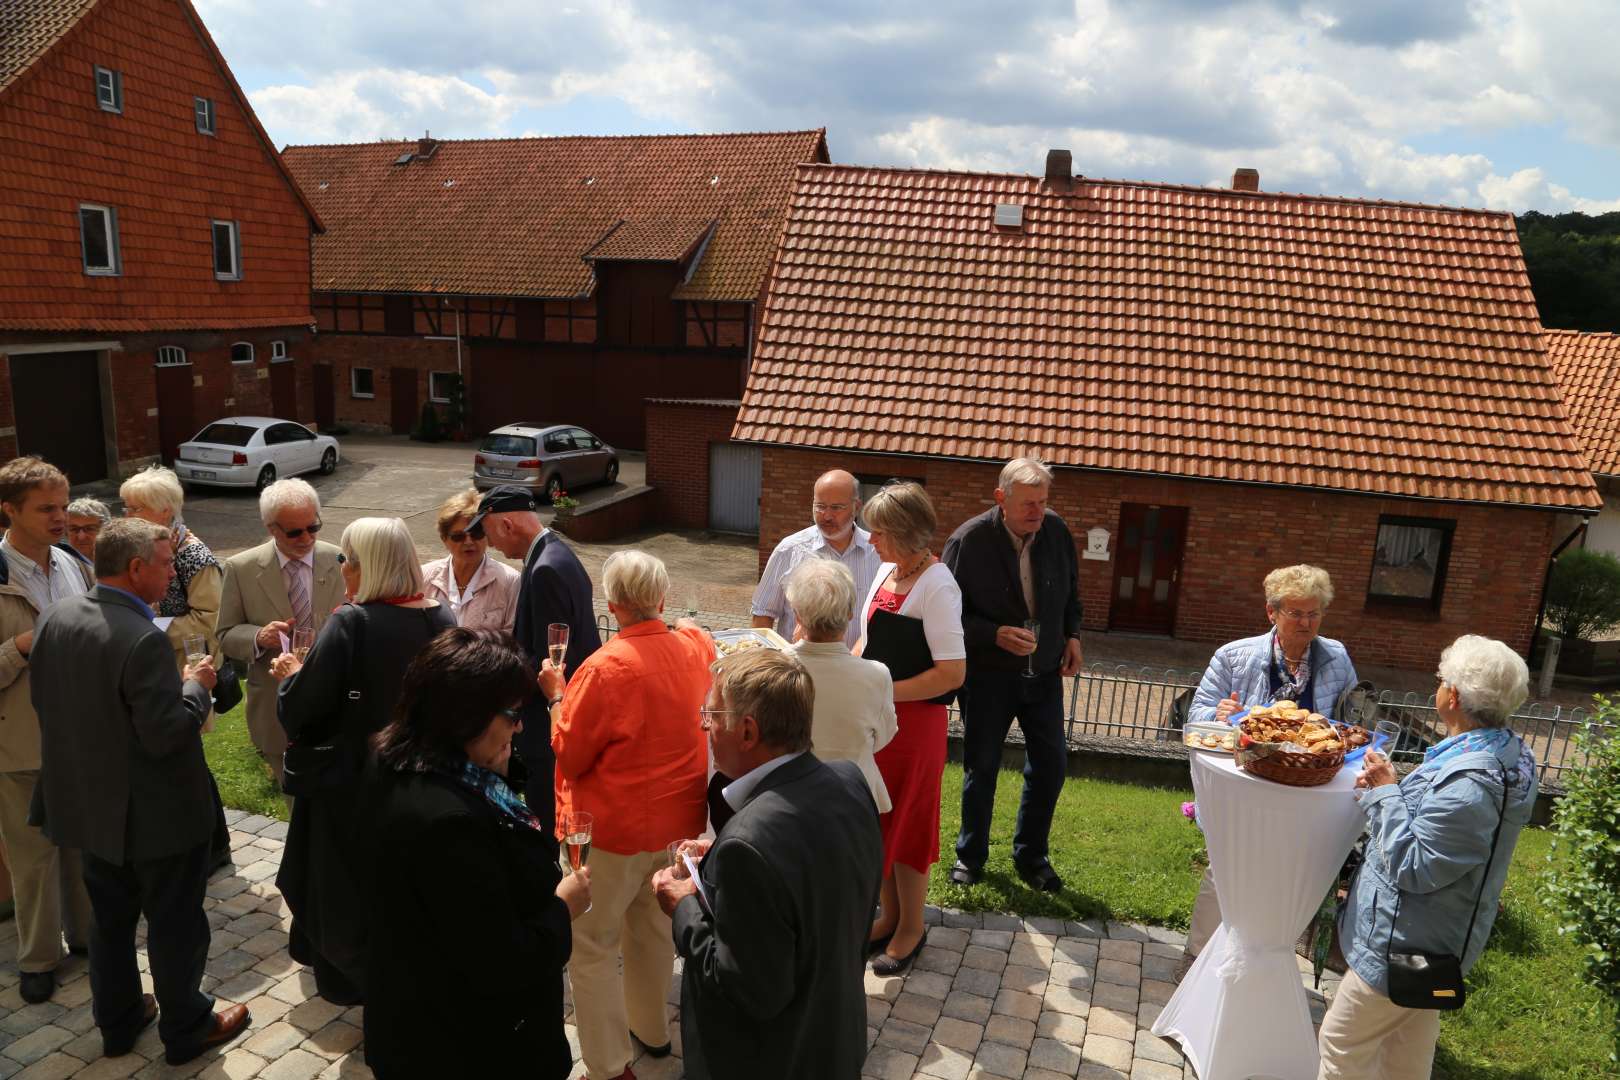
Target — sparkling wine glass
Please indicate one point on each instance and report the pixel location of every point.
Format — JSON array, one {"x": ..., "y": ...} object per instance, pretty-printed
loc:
[
  {"x": 1034, "y": 627},
  {"x": 577, "y": 842},
  {"x": 1391, "y": 731},
  {"x": 302, "y": 639},
  {"x": 196, "y": 647},
  {"x": 557, "y": 643}
]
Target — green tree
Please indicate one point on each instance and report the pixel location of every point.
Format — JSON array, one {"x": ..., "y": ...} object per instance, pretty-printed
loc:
[{"x": 1583, "y": 597}]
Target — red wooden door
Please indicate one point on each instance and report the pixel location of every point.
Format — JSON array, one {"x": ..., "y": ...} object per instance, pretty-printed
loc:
[
  {"x": 402, "y": 397},
  {"x": 176, "y": 400},
  {"x": 325, "y": 403},
  {"x": 1147, "y": 568},
  {"x": 283, "y": 390}
]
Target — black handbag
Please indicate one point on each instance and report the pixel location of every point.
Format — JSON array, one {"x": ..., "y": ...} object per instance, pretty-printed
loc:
[
  {"x": 227, "y": 687},
  {"x": 310, "y": 769},
  {"x": 1419, "y": 980}
]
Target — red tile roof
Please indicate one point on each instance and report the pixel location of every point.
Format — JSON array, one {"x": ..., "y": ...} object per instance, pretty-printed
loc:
[
  {"x": 516, "y": 217},
  {"x": 660, "y": 240},
  {"x": 1587, "y": 366},
  {"x": 1255, "y": 337}
]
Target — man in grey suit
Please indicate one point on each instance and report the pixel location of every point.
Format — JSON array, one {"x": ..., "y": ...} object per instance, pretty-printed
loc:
[
  {"x": 773, "y": 936},
  {"x": 124, "y": 780},
  {"x": 287, "y": 583}
]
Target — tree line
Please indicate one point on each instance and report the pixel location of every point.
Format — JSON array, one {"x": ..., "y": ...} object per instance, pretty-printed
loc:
[{"x": 1574, "y": 264}]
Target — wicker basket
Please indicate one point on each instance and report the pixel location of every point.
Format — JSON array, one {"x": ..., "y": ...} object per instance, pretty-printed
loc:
[{"x": 1296, "y": 770}]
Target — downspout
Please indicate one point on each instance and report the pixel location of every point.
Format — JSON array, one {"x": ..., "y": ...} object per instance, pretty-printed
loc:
[{"x": 1546, "y": 580}]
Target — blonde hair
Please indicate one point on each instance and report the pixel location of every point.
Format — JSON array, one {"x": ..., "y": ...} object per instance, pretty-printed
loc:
[
  {"x": 463, "y": 504},
  {"x": 156, "y": 487},
  {"x": 635, "y": 580},
  {"x": 382, "y": 550},
  {"x": 1302, "y": 582},
  {"x": 1029, "y": 471},
  {"x": 903, "y": 512},
  {"x": 822, "y": 595},
  {"x": 772, "y": 687}
]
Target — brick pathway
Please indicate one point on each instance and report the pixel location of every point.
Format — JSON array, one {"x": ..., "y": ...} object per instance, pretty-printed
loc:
[{"x": 990, "y": 996}]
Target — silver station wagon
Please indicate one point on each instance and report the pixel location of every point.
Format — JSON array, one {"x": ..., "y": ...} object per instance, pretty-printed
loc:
[{"x": 545, "y": 458}]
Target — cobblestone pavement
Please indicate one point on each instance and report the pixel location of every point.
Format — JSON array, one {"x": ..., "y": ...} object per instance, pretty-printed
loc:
[{"x": 990, "y": 996}]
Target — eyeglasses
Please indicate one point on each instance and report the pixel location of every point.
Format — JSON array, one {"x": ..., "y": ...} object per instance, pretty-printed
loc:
[
  {"x": 293, "y": 534},
  {"x": 461, "y": 534},
  {"x": 1301, "y": 616},
  {"x": 513, "y": 714},
  {"x": 829, "y": 508},
  {"x": 88, "y": 529},
  {"x": 707, "y": 715}
]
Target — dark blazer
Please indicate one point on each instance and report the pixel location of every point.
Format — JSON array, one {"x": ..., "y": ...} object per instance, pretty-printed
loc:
[
  {"x": 465, "y": 961},
  {"x": 773, "y": 980},
  {"x": 981, "y": 555},
  {"x": 122, "y": 769},
  {"x": 555, "y": 589}
]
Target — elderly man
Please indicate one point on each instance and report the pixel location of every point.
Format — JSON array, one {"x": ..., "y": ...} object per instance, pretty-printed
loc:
[
  {"x": 1016, "y": 566},
  {"x": 35, "y": 571},
  {"x": 290, "y": 582},
  {"x": 85, "y": 517},
  {"x": 124, "y": 780},
  {"x": 774, "y": 947},
  {"x": 555, "y": 589},
  {"x": 833, "y": 535}
]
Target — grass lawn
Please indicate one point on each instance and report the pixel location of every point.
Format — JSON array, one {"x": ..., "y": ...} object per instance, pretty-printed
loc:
[{"x": 244, "y": 782}]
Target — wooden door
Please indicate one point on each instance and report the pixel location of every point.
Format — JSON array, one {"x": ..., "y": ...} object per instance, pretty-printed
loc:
[
  {"x": 1147, "y": 568},
  {"x": 402, "y": 398},
  {"x": 177, "y": 414},
  {"x": 325, "y": 403},
  {"x": 283, "y": 390},
  {"x": 56, "y": 399}
]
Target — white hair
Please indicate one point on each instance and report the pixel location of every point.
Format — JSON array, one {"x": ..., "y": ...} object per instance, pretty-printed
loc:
[
  {"x": 1302, "y": 582},
  {"x": 156, "y": 487},
  {"x": 88, "y": 507},
  {"x": 637, "y": 581},
  {"x": 822, "y": 595},
  {"x": 1491, "y": 679},
  {"x": 284, "y": 495},
  {"x": 1029, "y": 471},
  {"x": 382, "y": 550}
]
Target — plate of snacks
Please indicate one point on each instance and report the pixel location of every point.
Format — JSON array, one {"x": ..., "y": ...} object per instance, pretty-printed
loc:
[
  {"x": 1217, "y": 738},
  {"x": 1290, "y": 745},
  {"x": 727, "y": 642}
]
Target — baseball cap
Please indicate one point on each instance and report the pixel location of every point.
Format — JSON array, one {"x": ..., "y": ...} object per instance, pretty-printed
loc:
[{"x": 502, "y": 499}]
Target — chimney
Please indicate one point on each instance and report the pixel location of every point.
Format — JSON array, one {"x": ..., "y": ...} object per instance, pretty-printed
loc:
[
  {"x": 1246, "y": 180},
  {"x": 425, "y": 146},
  {"x": 1059, "y": 169}
]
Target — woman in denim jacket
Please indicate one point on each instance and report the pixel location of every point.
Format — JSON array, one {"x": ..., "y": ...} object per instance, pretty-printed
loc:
[{"x": 1428, "y": 861}]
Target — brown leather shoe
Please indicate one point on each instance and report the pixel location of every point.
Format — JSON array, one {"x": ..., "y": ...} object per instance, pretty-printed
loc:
[
  {"x": 117, "y": 1047},
  {"x": 227, "y": 1024}
]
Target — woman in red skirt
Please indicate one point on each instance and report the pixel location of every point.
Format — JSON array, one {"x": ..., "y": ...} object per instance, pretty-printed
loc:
[{"x": 913, "y": 584}]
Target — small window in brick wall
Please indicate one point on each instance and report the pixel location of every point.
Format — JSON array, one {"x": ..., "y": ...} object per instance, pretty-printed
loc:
[
  {"x": 278, "y": 351},
  {"x": 203, "y": 108},
  {"x": 171, "y": 356},
  {"x": 242, "y": 353},
  {"x": 227, "y": 251},
  {"x": 439, "y": 383},
  {"x": 98, "y": 240},
  {"x": 1409, "y": 561},
  {"x": 110, "y": 89},
  {"x": 360, "y": 383},
  {"x": 869, "y": 484}
]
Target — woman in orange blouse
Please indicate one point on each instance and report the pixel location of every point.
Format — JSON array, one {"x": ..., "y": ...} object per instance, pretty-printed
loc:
[{"x": 631, "y": 753}]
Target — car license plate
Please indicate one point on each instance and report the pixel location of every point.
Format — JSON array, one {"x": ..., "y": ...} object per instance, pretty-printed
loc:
[
  {"x": 204, "y": 474},
  {"x": 493, "y": 471}
]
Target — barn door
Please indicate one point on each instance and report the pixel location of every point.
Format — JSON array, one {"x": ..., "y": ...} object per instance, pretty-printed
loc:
[
  {"x": 325, "y": 403},
  {"x": 402, "y": 396},
  {"x": 1147, "y": 569},
  {"x": 56, "y": 398},
  {"x": 734, "y": 487},
  {"x": 177, "y": 417},
  {"x": 283, "y": 390}
]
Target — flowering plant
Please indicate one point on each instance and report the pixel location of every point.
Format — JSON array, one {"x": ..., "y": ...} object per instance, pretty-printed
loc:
[
  {"x": 1189, "y": 810},
  {"x": 564, "y": 501}
]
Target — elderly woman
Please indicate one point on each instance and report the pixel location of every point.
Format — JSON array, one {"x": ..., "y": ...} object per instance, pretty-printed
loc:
[
  {"x": 466, "y": 956},
  {"x": 1438, "y": 847},
  {"x": 192, "y": 601},
  {"x": 854, "y": 711},
  {"x": 341, "y": 695},
  {"x": 85, "y": 517},
  {"x": 1289, "y": 662},
  {"x": 630, "y": 752},
  {"x": 480, "y": 592},
  {"x": 914, "y": 584}
]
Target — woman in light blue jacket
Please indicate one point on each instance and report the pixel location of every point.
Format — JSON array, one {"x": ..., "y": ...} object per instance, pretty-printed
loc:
[{"x": 1429, "y": 882}]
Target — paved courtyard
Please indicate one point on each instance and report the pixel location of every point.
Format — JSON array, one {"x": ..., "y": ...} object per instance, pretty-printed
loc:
[{"x": 990, "y": 996}]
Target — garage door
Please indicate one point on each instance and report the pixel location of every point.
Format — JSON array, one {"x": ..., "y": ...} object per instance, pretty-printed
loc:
[
  {"x": 734, "y": 487},
  {"x": 56, "y": 398}
]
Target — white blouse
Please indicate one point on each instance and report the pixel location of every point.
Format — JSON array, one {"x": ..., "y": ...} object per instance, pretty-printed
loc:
[{"x": 936, "y": 600}]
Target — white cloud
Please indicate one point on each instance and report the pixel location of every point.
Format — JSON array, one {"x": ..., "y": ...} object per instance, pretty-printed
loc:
[{"x": 378, "y": 104}]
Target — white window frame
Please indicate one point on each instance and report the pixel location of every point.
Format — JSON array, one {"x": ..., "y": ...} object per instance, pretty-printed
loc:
[
  {"x": 445, "y": 399},
  {"x": 115, "y": 264},
  {"x": 172, "y": 356},
  {"x": 278, "y": 351},
  {"x": 113, "y": 101},
  {"x": 202, "y": 110},
  {"x": 235, "y": 273},
  {"x": 248, "y": 345},
  {"x": 354, "y": 390}
]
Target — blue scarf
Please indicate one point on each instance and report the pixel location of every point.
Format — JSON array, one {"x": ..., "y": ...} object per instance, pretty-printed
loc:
[
  {"x": 491, "y": 786},
  {"x": 1482, "y": 740}
]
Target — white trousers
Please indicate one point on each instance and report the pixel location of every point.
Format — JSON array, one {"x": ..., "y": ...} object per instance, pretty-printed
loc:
[{"x": 1365, "y": 1036}]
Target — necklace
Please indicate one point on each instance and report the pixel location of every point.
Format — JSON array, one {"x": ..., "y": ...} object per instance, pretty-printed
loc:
[{"x": 916, "y": 568}]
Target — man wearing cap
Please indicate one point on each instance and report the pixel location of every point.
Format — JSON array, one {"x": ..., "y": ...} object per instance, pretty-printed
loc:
[{"x": 555, "y": 589}]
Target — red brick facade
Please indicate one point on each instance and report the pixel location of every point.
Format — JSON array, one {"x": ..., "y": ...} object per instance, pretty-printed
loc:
[
  {"x": 1236, "y": 534},
  {"x": 382, "y": 355},
  {"x": 679, "y": 434}
]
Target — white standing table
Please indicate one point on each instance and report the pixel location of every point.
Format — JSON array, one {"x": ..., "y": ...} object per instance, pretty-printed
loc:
[{"x": 1274, "y": 851}]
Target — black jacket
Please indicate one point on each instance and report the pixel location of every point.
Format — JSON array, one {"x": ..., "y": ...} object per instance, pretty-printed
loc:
[
  {"x": 464, "y": 977},
  {"x": 981, "y": 555},
  {"x": 773, "y": 980}
]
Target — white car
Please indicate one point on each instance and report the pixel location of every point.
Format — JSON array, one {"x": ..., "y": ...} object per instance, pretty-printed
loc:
[{"x": 254, "y": 452}]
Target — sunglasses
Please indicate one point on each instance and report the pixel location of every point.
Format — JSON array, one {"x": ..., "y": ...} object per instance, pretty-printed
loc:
[
  {"x": 293, "y": 534},
  {"x": 463, "y": 534}
]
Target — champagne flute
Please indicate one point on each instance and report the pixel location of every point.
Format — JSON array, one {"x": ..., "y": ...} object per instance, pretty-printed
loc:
[
  {"x": 557, "y": 644},
  {"x": 1034, "y": 627},
  {"x": 302, "y": 639},
  {"x": 577, "y": 842},
  {"x": 1391, "y": 731},
  {"x": 196, "y": 647}
]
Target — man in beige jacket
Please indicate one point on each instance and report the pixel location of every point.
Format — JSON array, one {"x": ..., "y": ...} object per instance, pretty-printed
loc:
[
  {"x": 289, "y": 582},
  {"x": 36, "y": 569}
]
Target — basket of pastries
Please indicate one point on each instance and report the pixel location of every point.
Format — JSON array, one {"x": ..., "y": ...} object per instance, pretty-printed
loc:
[{"x": 1290, "y": 745}]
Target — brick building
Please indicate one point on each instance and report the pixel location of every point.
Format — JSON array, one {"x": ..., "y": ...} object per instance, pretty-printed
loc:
[
  {"x": 564, "y": 279},
  {"x": 1226, "y": 381},
  {"x": 1587, "y": 366},
  {"x": 154, "y": 252}
]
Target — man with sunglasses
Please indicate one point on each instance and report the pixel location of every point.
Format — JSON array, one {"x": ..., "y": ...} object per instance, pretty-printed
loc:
[{"x": 288, "y": 583}]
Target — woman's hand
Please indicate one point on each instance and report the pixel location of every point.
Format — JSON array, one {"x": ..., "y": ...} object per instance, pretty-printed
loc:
[
  {"x": 1377, "y": 772},
  {"x": 550, "y": 680},
  {"x": 575, "y": 891},
  {"x": 1226, "y": 708},
  {"x": 284, "y": 665}
]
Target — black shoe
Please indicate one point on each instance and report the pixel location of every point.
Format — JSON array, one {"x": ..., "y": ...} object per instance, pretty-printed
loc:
[
  {"x": 877, "y": 945},
  {"x": 652, "y": 1051},
  {"x": 119, "y": 1045},
  {"x": 963, "y": 874},
  {"x": 1041, "y": 878},
  {"x": 886, "y": 965},
  {"x": 37, "y": 986}
]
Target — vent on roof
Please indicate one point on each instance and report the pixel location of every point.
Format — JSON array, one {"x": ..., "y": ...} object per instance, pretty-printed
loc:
[
  {"x": 426, "y": 146},
  {"x": 714, "y": 181},
  {"x": 589, "y": 180},
  {"x": 449, "y": 183},
  {"x": 1246, "y": 180},
  {"x": 324, "y": 185},
  {"x": 405, "y": 158},
  {"x": 1059, "y": 168},
  {"x": 1009, "y": 215}
]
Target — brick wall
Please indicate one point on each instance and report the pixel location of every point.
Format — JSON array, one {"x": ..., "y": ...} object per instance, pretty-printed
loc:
[
  {"x": 1236, "y": 535},
  {"x": 382, "y": 354},
  {"x": 678, "y": 437}
]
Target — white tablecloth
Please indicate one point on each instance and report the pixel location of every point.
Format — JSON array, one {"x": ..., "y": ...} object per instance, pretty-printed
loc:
[{"x": 1274, "y": 850}]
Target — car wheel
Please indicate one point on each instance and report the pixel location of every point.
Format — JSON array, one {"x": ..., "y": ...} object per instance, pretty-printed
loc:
[
  {"x": 612, "y": 471},
  {"x": 267, "y": 476},
  {"x": 328, "y": 462},
  {"x": 554, "y": 487}
]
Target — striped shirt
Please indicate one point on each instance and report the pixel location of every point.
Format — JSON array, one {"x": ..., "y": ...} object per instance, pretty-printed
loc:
[
  {"x": 860, "y": 558},
  {"x": 64, "y": 579}
]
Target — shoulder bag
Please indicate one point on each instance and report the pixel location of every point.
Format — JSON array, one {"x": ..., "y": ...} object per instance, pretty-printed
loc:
[{"x": 323, "y": 766}]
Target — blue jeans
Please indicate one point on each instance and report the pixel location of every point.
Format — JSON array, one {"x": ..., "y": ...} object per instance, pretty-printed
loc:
[{"x": 990, "y": 702}]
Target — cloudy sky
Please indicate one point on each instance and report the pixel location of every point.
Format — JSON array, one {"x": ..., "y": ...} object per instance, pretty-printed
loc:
[{"x": 1512, "y": 104}]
